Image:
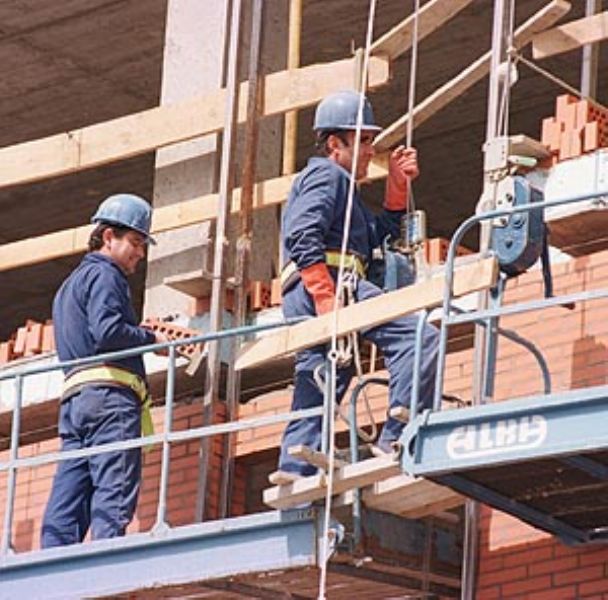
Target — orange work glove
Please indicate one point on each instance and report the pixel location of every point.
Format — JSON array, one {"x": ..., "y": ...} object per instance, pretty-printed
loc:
[
  {"x": 403, "y": 165},
  {"x": 320, "y": 285}
]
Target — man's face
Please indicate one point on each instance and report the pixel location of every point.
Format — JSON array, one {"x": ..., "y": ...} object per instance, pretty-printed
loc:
[
  {"x": 126, "y": 251},
  {"x": 343, "y": 152}
]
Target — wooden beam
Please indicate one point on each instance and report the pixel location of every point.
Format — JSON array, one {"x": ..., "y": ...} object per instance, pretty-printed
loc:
[
  {"x": 309, "y": 489},
  {"x": 314, "y": 457},
  {"x": 471, "y": 277},
  {"x": 146, "y": 131},
  {"x": 475, "y": 72},
  {"x": 570, "y": 36},
  {"x": 406, "y": 496},
  {"x": 72, "y": 241},
  {"x": 431, "y": 16},
  {"x": 410, "y": 497}
]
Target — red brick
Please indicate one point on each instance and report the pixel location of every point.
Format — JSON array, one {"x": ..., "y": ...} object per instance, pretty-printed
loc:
[
  {"x": 594, "y": 587},
  {"x": 591, "y": 137},
  {"x": 276, "y": 296},
  {"x": 48, "y": 337},
  {"x": 20, "y": 341},
  {"x": 33, "y": 339},
  {"x": 502, "y": 576},
  {"x": 551, "y": 566},
  {"x": 589, "y": 573},
  {"x": 6, "y": 351},
  {"x": 562, "y": 593},
  {"x": 529, "y": 584},
  {"x": 561, "y": 106}
]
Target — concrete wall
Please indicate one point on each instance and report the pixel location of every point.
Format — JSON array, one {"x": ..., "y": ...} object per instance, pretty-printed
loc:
[{"x": 196, "y": 37}]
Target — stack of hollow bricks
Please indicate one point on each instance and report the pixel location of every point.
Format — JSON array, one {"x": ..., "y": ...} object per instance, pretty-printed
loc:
[
  {"x": 38, "y": 338},
  {"x": 578, "y": 126},
  {"x": 264, "y": 294},
  {"x": 33, "y": 338},
  {"x": 175, "y": 332}
]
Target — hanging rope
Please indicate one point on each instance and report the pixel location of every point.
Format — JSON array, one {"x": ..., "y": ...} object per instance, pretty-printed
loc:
[
  {"x": 411, "y": 100},
  {"x": 519, "y": 58},
  {"x": 333, "y": 353}
]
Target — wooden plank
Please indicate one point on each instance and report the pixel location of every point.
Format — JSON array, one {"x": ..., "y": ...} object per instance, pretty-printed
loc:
[
  {"x": 314, "y": 457},
  {"x": 145, "y": 131},
  {"x": 475, "y": 72},
  {"x": 431, "y": 16},
  {"x": 410, "y": 497},
  {"x": 570, "y": 36},
  {"x": 309, "y": 489},
  {"x": 471, "y": 277},
  {"x": 190, "y": 212},
  {"x": 527, "y": 146}
]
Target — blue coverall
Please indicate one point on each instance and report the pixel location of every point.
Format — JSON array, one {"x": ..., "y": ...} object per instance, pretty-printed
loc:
[
  {"x": 313, "y": 223},
  {"x": 92, "y": 314}
]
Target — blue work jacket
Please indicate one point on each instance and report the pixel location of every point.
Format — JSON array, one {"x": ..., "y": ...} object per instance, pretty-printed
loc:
[
  {"x": 93, "y": 314},
  {"x": 313, "y": 221}
]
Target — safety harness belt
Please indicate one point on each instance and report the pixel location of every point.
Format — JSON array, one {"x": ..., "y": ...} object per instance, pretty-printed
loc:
[
  {"x": 290, "y": 273},
  {"x": 112, "y": 376}
]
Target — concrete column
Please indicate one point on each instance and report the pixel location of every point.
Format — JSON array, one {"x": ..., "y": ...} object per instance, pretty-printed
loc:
[{"x": 193, "y": 65}]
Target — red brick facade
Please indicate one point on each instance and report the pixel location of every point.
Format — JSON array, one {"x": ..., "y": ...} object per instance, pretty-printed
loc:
[{"x": 516, "y": 561}]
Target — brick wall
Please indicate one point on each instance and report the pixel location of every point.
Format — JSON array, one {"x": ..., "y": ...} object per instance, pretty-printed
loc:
[
  {"x": 517, "y": 561},
  {"x": 33, "y": 485}
]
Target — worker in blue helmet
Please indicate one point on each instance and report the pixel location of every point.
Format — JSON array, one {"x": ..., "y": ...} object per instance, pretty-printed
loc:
[
  {"x": 312, "y": 231},
  {"x": 100, "y": 404}
]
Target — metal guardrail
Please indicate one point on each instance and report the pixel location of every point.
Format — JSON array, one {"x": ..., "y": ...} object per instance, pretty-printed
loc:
[
  {"x": 483, "y": 317},
  {"x": 166, "y": 438}
]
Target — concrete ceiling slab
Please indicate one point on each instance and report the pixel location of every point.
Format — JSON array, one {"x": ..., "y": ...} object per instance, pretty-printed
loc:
[{"x": 72, "y": 63}]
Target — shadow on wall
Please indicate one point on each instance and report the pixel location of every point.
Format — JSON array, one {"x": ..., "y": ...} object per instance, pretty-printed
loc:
[{"x": 519, "y": 562}]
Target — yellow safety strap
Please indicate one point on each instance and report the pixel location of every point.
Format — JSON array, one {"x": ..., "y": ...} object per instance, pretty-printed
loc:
[
  {"x": 114, "y": 376},
  {"x": 332, "y": 259}
]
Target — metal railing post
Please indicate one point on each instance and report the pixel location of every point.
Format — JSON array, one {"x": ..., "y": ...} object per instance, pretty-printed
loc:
[
  {"x": 161, "y": 513},
  {"x": 11, "y": 482}
]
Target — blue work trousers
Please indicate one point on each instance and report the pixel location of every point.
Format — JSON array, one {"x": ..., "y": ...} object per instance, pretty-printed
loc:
[
  {"x": 396, "y": 339},
  {"x": 97, "y": 492}
]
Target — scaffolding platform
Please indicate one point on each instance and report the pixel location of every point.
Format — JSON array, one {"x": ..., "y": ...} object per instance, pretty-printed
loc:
[
  {"x": 264, "y": 555},
  {"x": 543, "y": 459}
]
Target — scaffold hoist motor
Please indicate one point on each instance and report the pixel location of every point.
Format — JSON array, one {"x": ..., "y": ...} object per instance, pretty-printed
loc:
[
  {"x": 398, "y": 263},
  {"x": 520, "y": 239}
]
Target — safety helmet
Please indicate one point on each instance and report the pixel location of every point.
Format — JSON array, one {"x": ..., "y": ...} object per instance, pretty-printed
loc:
[
  {"x": 339, "y": 111},
  {"x": 126, "y": 210}
]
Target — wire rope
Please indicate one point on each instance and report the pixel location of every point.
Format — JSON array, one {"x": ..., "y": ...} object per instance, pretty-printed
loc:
[{"x": 333, "y": 353}]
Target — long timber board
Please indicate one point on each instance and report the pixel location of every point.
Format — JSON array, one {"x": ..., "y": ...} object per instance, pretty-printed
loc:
[
  {"x": 68, "y": 242},
  {"x": 467, "y": 78},
  {"x": 161, "y": 126},
  {"x": 468, "y": 278}
]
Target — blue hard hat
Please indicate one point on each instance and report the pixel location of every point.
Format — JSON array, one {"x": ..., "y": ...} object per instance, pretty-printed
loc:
[
  {"x": 339, "y": 111},
  {"x": 126, "y": 210}
]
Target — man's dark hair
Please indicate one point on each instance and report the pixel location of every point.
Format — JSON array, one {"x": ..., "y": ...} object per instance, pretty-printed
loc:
[
  {"x": 96, "y": 238},
  {"x": 323, "y": 136}
]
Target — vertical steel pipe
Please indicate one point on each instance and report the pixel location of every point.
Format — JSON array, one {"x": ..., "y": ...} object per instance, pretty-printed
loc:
[
  {"x": 11, "y": 483},
  {"x": 161, "y": 512}
]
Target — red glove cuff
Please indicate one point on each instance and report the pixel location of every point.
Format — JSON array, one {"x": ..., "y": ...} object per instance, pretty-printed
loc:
[
  {"x": 396, "y": 195},
  {"x": 320, "y": 285}
]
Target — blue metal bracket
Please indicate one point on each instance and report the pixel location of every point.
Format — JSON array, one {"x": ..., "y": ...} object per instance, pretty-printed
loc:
[
  {"x": 474, "y": 450},
  {"x": 561, "y": 424},
  {"x": 255, "y": 543}
]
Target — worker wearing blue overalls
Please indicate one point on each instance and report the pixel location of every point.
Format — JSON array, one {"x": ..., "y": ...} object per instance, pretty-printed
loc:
[
  {"x": 312, "y": 232},
  {"x": 92, "y": 314}
]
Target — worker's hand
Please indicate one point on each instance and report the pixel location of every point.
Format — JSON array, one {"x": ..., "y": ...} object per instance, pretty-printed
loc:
[
  {"x": 320, "y": 285},
  {"x": 402, "y": 168},
  {"x": 161, "y": 338}
]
